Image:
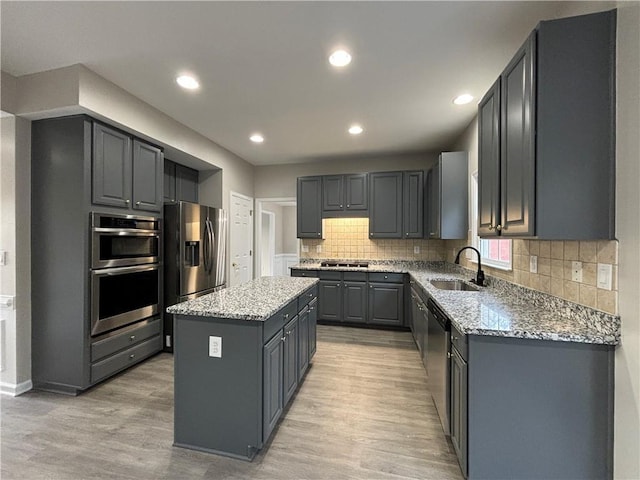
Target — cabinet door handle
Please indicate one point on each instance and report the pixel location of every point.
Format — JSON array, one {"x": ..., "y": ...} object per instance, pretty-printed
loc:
[
  {"x": 132, "y": 356},
  {"x": 286, "y": 315},
  {"x": 127, "y": 201},
  {"x": 448, "y": 354},
  {"x": 348, "y": 206},
  {"x": 407, "y": 233},
  {"x": 340, "y": 205},
  {"x": 311, "y": 308},
  {"x": 491, "y": 227},
  {"x": 386, "y": 277},
  {"x": 337, "y": 284},
  {"x": 284, "y": 339},
  {"x": 454, "y": 338},
  {"x": 138, "y": 203},
  {"x": 318, "y": 233},
  {"x": 498, "y": 227},
  {"x": 132, "y": 338}
]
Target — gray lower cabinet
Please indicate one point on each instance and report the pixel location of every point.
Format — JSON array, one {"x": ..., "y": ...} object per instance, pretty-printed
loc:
[
  {"x": 458, "y": 406},
  {"x": 419, "y": 322},
  {"x": 386, "y": 299},
  {"x": 354, "y": 309},
  {"x": 545, "y": 406},
  {"x": 546, "y": 131},
  {"x": 230, "y": 404},
  {"x": 330, "y": 299},
  {"x": 126, "y": 172},
  {"x": 290, "y": 358}
]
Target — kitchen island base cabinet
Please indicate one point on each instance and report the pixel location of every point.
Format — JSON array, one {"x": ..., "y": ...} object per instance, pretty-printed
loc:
[
  {"x": 536, "y": 408},
  {"x": 229, "y": 401}
]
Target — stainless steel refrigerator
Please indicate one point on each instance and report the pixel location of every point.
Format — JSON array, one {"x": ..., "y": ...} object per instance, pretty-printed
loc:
[{"x": 195, "y": 250}]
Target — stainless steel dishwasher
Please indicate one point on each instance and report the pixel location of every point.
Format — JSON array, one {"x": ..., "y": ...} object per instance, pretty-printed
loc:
[{"x": 439, "y": 332}]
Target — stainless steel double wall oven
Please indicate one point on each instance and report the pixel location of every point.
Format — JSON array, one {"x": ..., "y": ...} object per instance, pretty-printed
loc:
[{"x": 125, "y": 286}]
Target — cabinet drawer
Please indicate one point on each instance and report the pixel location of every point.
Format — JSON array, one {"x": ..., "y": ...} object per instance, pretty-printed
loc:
[
  {"x": 386, "y": 277},
  {"x": 129, "y": 337},
  {"x": 355, "y": 276},
  {"x": 124, "y": 359},
  {"x": 329, "y": 275},
  {"x": 296, "y": 272},
  {"x": 459, "y": 340},
  {"x": 277, "y": 321},
  {"x": 307, "y": 296}
]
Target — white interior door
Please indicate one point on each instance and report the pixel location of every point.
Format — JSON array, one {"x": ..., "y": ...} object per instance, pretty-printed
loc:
[{"x": 241, "y": 239}]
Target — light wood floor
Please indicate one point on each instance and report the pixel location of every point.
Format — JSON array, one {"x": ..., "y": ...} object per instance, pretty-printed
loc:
[{"x": 362, "y": 412}]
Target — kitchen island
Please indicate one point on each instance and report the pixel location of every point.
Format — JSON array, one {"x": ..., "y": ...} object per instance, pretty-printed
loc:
[
  {"x": 530, "y": 376},
  {"x": 239, "y": 356}
]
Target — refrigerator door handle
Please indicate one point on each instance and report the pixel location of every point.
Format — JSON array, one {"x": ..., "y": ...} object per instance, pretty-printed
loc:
[
  {"x": 212, "y": 244},
  {"x": 206, "y": 247}
]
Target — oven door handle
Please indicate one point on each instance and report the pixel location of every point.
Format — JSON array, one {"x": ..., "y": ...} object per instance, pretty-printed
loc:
[
  {"x": 127, "y": 231},
  {"x": 120, "y": 270}
]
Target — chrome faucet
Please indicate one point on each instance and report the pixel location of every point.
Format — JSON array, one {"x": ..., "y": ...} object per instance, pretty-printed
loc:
[{"x": 479, "y": 280}]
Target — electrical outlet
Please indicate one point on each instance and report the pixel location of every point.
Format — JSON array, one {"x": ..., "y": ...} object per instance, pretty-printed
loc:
[
  {"x": 604, "y": 276},
  {"x": 416, "y": 249},
  {"x": 576, "y": 271},
  {"x": 305, "y": 248},
  {"x": 533, "y": 264},
  {"x": 215, "y": 347},
  {"x": 318, "y": 248}
]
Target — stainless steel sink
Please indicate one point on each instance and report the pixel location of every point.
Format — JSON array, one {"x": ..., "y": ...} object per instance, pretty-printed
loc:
[{"x": 454, "y": 285}]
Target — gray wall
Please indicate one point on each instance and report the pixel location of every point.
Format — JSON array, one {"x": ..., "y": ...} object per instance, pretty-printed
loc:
[{"x": 274, "y": 181}]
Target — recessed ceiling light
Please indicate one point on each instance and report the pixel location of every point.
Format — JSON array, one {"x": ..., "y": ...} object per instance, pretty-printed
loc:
[
  {"x": 256, "y": 138},
  {"x": 463, "y": 99},
  {"x": 188, "y": 82},
  {"x": 340, "y": 58},
  {"x": 355, "y": 129}
]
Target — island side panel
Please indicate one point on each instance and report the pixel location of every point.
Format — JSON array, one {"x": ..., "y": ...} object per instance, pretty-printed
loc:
[
  {"x": 218, "y": 401},
  {"x": 539, "y": 409}
]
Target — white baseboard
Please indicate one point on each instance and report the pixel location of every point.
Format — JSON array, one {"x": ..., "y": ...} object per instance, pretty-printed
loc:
[{"x": 15, "y": 390}]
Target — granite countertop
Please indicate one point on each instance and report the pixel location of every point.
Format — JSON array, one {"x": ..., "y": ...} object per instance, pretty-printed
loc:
[
  {"x": 256, "y": 300},
  {"x": 502, "y": 309}
]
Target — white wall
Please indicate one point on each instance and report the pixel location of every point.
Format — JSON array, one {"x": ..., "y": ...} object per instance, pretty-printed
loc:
[
  {"x": 274, "y": 181},
  {"x": 289, "y": 232},
  {"x": 15, "y": 237}
]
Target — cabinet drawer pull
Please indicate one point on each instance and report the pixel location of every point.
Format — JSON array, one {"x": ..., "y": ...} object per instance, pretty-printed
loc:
[
  {"x": 386, "y": 276},
  {"x": 127, "y": 201},
  {"x": 348, "y": 206},
  {"x": 132, "y": 356},
  {"x": 138, "y": 203},
  {"x": 132, "y": 338},
  {"x": 448, "y": 354},
  {"x": 284, "y": 339},
  {"x": 311, "y": 308},
  {"x": 340, "y": 205},
  {"x": 286, "y": 315},
  {"x": 318, "y": 233},
  {"x": 337, "y": 284},
  {"x": 454, "y": 338}
]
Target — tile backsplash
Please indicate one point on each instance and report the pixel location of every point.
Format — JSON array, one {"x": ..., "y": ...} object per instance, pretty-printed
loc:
[
  {"x": 554, "y": 273},
  {"x": 348, "y": 238}
]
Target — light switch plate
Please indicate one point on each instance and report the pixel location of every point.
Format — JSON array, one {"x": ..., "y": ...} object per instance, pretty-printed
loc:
[
  {"x": 604, "y": 276},
  {"x": 318, "y": 248},
  {"x": 576, "y": 271},
  {"x": 305, "y": 248},
  {"x": 533, "y": 264},
  {"x": 215, "y": 347}
]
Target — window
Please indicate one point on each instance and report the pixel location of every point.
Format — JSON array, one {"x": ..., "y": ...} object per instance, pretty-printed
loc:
[{"x": 495, "y": 252}]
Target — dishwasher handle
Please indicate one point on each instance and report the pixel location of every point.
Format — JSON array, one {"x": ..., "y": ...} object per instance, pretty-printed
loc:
[{"x": 439, "y": 315}]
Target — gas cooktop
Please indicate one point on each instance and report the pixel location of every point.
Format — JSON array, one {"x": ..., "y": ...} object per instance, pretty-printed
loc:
[{"x": 345, "y": 264}]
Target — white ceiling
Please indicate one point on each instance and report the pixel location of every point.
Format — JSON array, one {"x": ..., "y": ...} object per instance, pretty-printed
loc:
[{"x": 263, "y": 65}]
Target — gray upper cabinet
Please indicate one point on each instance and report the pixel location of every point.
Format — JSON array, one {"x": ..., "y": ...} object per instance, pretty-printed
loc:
[
  {"x": 489, "y": 162},
  {"x": 180, "y": 183},
  {"x": 385, "y": 205},
  {"x": 111, "y": 167},
  {"x": 447, "y": 192},
  {"x": 332, "y": 193},
  {"x": 412, "y": 204},
  {"x": 552, "y": 130},
  {"x": 186, "y": 184},
  {"x": 169, "y": 191},
  {"x": 396, "y": 204},
  {"x": 148, "y": 164},
  {"x": 126, "y": 172},
  {"x": 344, "y": 195},
  {"x": 309, "y": 207}
]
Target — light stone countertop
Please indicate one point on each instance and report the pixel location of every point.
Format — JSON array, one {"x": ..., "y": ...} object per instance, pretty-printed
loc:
[
  {"x": 256, "y": 300},
  {"x": 502, "y": 309}
]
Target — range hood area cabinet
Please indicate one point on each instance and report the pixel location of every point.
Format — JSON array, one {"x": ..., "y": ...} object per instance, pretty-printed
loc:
[
  {"x": 546, "y": 153},
  {"x": 447, "y": 195},
  {"x": 396, "y": 204},
  {"x": 345, "y": 195}
]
